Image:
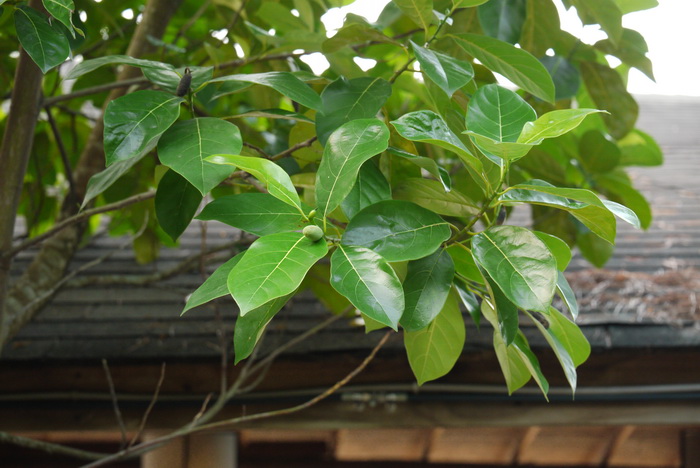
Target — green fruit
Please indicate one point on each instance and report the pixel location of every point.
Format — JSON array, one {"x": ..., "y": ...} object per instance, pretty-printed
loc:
[{"x": 313, "y": 233}]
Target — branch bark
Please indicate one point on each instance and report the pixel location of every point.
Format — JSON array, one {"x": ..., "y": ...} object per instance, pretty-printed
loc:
[{"x": 51, "y": 262}]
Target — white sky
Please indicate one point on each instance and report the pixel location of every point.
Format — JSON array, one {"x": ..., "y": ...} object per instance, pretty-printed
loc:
[{"x": 671, "y": 30}]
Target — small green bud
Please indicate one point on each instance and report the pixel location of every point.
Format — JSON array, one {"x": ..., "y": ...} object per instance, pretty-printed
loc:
[
  {"x": 312, "y": 214},
  {"x": 313, "y": 233}
]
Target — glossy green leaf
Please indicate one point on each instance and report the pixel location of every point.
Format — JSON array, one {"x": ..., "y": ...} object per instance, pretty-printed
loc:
[
  {"x": 581, "y": 203},
  {"x": 469, "y": 301},
  {"x": 428, "y": 127},
  {"x": 213, "y": 287},
  {"x": 566, "y": 77},
  {"x": 519, "y": 263},
  {"x": 434, "y": 350},
  {"x": 522, "y": 347},
  {"x": 631, "y": 49},
  {"x": 503, "y": 19},
  {"x": 449, "y": 73},
  {"x": 318, "y": 280},
  {"x": 345, "y": 100},
  {"x": 639, "y": 149},
  {"x": 553, "y": 124},
  {"x": 369, "y": 282},
  {"x": 397, "y": 230},
  {"x": 283, "y": 82},
  {"x": 496, "y": 151},
  {"x": 518, "y": 65},
  {"x": 169, "y": 79},
  {"x": 498, "y": 113},
  {"x": 559, "y": 248},
  {"x": 354, "y": 34},
  {"x": 609, "y": 92},
  {"x": 593, "y": 248},
  {"x": 272, "y": 267},
  {"x": 134, "y": 123},
  {"x": 567, "y": 294},
  {"x": 250, "y": 327},
  {"x": 468, "y": 3},
  {"x": 89, "y": 65},
  {"x": 176, "y": 203},
  {"x": 258, "y": 213},
  {"x": 277, "y": 181},
  {"x": 623, "y": 213},
  {"x": 186, "y": 146},
  {"x": 618, "y": 186},
  {"x": 427, "y": 283},
  {"x": 420, "y": 11},
  {"x": 432, "y": 167},
  {"x": 370, "y": 187},
  {"x": 62, "y": 10},
  {"x": 510, "y": 360},
  {"x": 597, "y": 153},
  {"x": 430, "y": 194},
  {"x": 346, "y": 151},
  {"x": 44, "y": 43}
]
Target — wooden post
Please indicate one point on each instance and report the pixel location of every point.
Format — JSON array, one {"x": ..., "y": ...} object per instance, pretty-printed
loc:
[{"x": 216, "y": 449}]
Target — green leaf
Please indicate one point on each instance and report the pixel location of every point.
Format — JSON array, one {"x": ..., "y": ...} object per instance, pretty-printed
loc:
[
  {"x": 258, "y": 213},
  {"x": 553, "y": 124},
  {"x": 503, "y": 19},
  {"x": 213, "y": 287},
  {"x": 498, "y": 113},
  {"x": 566, "y": 77},
  {"x": 522, "y": 347},
  {"x": 89, "y": 65},
  {"x": 369, "y": 282},
  {"x": 439, "y": 172},
  {"x": 608, "y": 91},
  {"x": 510, "y": 359},
  {"x": 581, "y": 203},
  {"x": 449, "y": 73},
  {"x": 101, "y": 181},
  {"x": 420, "y": 11},
  {"x": 62, "y": 10},
  {"x": 272, "y": 267},
  {"x": 519, "y": 263},
  {"x": 176, "y": 203},
  {"x": 465, "y": 266},
  {"x": 597, "y": 153},
  {"x": 469, "y": 301},
  {"x": 517, "y": 65},
  {"x": 371, "y": 187},
  {"x": 354, "y": 34},
  {"x": 283, "y": 82},
  {"x": 318, "y": 280},
  {"x": 593, "y": 248},
  {"x": 506, "y": 312},
  {"x": 431, "y": 195},
  {"x": 45, "y": 44},
  {"x": 606, "y": 13},
  {"x": 346, "y": 151},
  {"x": 345, "y": 100},
  {"x": 631, "y": 50},
  {"x": 186, "y": 146},
  {"x": 425, "y": 289},
  {"x": 567, "y": 294},
  {"x": 428, "y": 127},
  {"x": 134, "y": 123},
  {"x": 623, "y": 213},
  {"x": 559, "y": 248},
  {"x": 434, "y": 350},
  {"x": 618, "y": 186},
  {"x": 629, "y": 6},
  {"x": 397, "y": 230},
  {"x": 273, "y": 176},
  {"x": 541, "y": 23},
  {"x": 250, "y": 327},
  {"x": 640, "y": 149},
  {"x": 169, "y": 79}
]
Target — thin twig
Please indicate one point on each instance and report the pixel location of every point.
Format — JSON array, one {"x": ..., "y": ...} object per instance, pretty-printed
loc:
[
  {"x": 202, "y": 410},
  {"x": 147, "y": 413},
  {"x": 77, "y": 219},
  {"x": 115, "y": 402},
  {"x": 94, "y": 90},
  {"x": 49, "y": 447},
  {"x": 258, "y": 149},
  {"x": 62, "y": 151},
  {"x": 294, "y": 148}
]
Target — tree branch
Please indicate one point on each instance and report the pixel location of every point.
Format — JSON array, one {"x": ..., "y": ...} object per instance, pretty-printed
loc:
[
  {"x": 50, "y": 447},
  {"x": 115, "y": 402},
  {"x": 95, "y": 90},
  {"x": 80, "y": 217},
  {"x": 292, "y": 149}
]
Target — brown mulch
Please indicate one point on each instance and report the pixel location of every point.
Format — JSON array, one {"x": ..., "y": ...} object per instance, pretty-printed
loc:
[{"x": 665, "y": 296}]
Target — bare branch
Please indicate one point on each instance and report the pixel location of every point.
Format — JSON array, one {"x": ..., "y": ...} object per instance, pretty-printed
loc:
[
  {"x": 95, "y": 90},
  {"x": 292, "y": 149},
  {"x": 49, "y": 447},
  {"x": 77, "y": 219},
  {"x": 115, "y": 402},
  {"x": 62, "y": 152},
  {"x": 147, "y": 413},
  {"x": 258, "y": 149}
]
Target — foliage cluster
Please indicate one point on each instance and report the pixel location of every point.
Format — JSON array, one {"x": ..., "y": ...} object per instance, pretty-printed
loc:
[{"x": 386, "y": 190}]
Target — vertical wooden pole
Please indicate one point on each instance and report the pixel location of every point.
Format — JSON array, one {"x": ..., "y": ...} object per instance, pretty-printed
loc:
[
  {"x": 172, "y": 455},
  {"x": 216, "y": 449}
]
